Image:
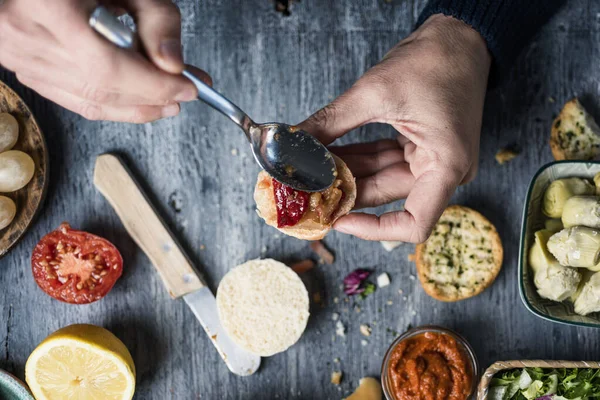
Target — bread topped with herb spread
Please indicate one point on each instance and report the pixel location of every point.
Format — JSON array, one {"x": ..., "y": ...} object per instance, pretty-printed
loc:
[
  {"x": 575, "y": 135},
  {"x": 461, "y": 258}
]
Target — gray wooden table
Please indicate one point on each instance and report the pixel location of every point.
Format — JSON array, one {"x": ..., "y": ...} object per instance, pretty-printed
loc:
[{"x": 284, "y": 68}]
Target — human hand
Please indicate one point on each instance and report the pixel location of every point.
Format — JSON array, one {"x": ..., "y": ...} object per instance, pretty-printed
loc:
[
  {"x": 54, "y": 51},
  {"x": 431, "y": 89}
]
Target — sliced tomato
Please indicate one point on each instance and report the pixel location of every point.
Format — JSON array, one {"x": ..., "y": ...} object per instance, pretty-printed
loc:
[{"x": 75, "y": 266}]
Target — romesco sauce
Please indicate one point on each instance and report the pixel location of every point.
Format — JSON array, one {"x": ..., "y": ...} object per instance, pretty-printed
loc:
[{"x": 430, "y": 366}]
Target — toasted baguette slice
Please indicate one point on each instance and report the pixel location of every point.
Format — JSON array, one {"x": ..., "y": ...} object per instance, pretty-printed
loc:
[
  {"x": 263, "y": 306},
  {"x": 461, "y": 258},
  {"x": 305, "y": 229},
  {"x": 575, "y": 135}
]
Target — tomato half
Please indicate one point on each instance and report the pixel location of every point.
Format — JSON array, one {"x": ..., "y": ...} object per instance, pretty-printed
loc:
[{"x": 75, "y": 266}]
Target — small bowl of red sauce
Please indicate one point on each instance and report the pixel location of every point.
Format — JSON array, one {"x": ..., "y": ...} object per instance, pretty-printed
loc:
[{"x": 429, "y": 362}]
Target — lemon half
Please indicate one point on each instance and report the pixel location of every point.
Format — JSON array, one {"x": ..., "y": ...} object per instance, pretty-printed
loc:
[{"x": 81, "y": 362}]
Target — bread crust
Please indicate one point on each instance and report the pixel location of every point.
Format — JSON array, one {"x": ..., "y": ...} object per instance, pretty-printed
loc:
[
  {"x": 497, "y": 252},
  {"x": 305, "y": 230},
  {"x": 572, "y": 118}
]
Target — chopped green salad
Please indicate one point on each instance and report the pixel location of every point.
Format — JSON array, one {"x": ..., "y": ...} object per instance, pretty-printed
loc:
[{"x": 546, "y": 384}]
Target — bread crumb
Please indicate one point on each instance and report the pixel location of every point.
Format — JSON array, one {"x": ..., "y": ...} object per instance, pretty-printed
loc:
[
  {"x": 383, "y": 280},
  {"x": 336, "y": 378},
  {"x": 411, "y": 277},
  {"x": 357, "y": 309},
  {"x": 336, "y": 360},
  {"x": 336, "y": 300},
  {"x": 365, "y": 330},
  {"x": 505, "y": 155},
  {"x": 317, "y": 297},
  {"x": 413, "y": 313},
  {"x": 400, "y": 291},
  {"x": 202, "y": 247},
  {"x": 551, "y": 99},
  {"x": 325, "y": 256},
  {"x": 340, "y": 329},
  {"x": 412, "y": 257},
  {"x": 335, "y": 316},
  {"x": 363, "y": 342},
  {"x": 390, "y": 245},
  {"x": 234, "y": 152},
  {"x": 389, "y": 302},
  {"x": 303, "y": 266}
]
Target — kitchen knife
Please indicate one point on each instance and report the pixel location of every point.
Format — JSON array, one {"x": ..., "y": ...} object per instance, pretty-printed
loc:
[{"x": 143, "y": 224}]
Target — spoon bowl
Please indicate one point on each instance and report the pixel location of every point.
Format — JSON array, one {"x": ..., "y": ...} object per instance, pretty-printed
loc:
[
  {"x": 288, "y": 154},
  {"x": 292, "y": 156}
]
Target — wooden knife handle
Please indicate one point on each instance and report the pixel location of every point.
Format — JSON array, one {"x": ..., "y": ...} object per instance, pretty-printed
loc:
[{"x": 144, "y": 225}]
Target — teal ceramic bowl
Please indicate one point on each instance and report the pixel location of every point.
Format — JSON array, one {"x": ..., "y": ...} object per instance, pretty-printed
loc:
[
  {"x": 533, "y": 220},
  {"x": 12, "y": 388}
]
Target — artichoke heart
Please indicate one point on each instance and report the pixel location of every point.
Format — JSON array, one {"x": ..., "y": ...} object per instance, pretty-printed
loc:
[
  {"x": 588, "y": 300},
  {"x": 560, "y": 191},
  {"x": 597, "y": 183},
  {"x": 582, "y": 210},
  {"x": 552, "y": 280},
  {"x": 577, "y": 247},
  {"x": 554, "y": 225}
]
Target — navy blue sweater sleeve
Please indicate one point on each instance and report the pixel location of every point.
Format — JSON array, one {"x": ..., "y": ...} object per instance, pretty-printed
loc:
[{"x": 506, "y": 25}]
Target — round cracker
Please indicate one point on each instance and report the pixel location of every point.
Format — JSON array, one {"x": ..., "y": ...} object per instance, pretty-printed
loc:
[
  {"x": 472, "y": 268},
  {"x": 263, "y": 306},
  {"x": 306, "y": 230}
]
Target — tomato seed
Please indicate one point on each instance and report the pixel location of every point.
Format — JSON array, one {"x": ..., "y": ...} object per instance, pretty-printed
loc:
[
  {"x": 98, "y": 258},
  {"x": 62, "y": 279},
  {"x": 60, "y": 246},
  {"x": 115, "y": 266},
  {"x": 103, "y": 273},
  {"x": 50, "y": 276},
  {"x": 77, "y": 251},
  {"x": 79, "y": 286},
  {"x": 44, "y": 263},
  {"x": 53, "y": 262},
  {"x": 95, "y": 276}
]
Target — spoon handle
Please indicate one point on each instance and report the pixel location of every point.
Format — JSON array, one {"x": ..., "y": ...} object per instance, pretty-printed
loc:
[
  {"x": 219, "y": 102},
  {"x": 108, "y": 26}
]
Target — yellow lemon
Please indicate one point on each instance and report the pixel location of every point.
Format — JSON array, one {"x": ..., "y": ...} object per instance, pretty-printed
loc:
[{"x": 81, "y": 362}]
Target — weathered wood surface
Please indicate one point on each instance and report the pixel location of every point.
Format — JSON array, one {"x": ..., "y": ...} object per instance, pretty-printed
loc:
[{"x": 283, "y": 69}]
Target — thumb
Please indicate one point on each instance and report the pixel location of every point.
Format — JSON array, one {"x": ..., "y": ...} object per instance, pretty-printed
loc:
[
  {"x": 355, "y": 108},
  {"x": 159, "y": 27}
]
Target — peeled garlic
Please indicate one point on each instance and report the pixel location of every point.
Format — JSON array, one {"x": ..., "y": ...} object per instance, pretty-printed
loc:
[
  {"x": 9, "y": 131},
  {"x": 8, "y": 210},
  {"x": 16, "y": 170}
]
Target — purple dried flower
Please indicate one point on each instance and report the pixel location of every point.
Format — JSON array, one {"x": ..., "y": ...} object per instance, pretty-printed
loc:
[{"x": 353, "y": 283}]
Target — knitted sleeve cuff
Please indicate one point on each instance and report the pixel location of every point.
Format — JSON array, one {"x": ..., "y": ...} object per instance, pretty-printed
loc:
[{"x": 506, "y": 25}]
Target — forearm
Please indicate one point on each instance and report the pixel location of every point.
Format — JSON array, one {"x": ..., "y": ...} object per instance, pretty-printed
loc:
[{"x": 506, "y": 25}]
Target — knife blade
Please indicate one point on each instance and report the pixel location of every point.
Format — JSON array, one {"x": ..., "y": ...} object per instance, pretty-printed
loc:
[{"x": 148, "y": 230}]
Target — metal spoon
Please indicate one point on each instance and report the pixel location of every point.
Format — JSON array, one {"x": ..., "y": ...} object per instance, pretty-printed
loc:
[{"x": 287, "y": 153}]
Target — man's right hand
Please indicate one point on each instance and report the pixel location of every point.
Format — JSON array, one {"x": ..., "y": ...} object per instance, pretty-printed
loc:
[{"x": 53, "y": 50}]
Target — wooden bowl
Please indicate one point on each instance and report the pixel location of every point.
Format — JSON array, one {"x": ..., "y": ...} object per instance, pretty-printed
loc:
[{"x": 31, "y": 141}]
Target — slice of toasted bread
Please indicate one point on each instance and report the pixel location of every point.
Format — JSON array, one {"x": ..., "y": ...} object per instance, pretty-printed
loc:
[
  {"x": 263, "y": 306},
  {"x": 575, "y": 135},
  {"x": 461, "y": 258},
  {"x": 306, "y": 229}
]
